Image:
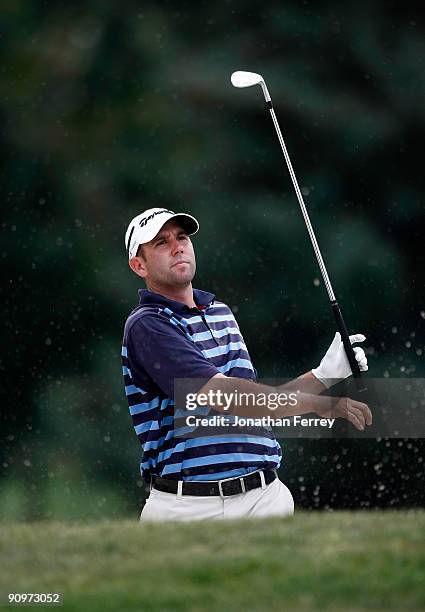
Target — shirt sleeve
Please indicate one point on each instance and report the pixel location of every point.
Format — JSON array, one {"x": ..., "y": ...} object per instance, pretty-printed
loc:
[{"x": 165, "y": 353}]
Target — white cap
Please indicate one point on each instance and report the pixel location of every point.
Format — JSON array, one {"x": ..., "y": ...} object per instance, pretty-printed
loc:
[{"x": 145, "y": 227}]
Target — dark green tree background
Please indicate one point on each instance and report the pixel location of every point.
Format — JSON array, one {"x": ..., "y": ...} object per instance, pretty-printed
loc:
[{"x": 108, "y": 109}]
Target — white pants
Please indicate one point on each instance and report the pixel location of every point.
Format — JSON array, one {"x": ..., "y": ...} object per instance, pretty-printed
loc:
[{"x": 274, "y": 500}]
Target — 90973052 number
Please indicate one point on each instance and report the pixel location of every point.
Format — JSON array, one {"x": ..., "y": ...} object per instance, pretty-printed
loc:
[{"x": 34, "y": 598}]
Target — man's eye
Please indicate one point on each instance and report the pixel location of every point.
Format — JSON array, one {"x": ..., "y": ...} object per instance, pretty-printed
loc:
[
  {"x": 183, "y": 237},
  {"x": 160, "y": 242}
]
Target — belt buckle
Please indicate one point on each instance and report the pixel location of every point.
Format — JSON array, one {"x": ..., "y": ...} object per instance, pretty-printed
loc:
[{"x": 220, "y": 485}]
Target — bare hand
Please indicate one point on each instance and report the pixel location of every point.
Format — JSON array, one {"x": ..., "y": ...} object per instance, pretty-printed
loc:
[{"x": 356, "y": 412}]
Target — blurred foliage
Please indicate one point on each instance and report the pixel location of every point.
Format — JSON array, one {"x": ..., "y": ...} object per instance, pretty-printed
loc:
[{"x": 107, "y": 110}]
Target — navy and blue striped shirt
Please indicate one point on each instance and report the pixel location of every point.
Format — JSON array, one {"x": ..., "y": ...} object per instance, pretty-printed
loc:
[{"x": 165, "y": 340}]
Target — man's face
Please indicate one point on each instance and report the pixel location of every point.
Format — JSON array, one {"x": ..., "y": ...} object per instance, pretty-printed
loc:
[{"x": 168, "y": 260}]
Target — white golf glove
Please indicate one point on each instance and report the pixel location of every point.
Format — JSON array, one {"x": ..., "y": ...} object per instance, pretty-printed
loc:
[{"x": 334, "y": 364}]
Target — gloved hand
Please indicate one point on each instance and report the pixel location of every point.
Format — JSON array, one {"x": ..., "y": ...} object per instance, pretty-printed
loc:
[{"x": 334, "y": 364}]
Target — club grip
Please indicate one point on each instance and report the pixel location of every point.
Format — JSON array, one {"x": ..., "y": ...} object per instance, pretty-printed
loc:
[{"x": 349, "y": 351}]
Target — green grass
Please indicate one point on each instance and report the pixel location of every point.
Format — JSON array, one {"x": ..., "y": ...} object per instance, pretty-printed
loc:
[{"x": 314, "y": 561}]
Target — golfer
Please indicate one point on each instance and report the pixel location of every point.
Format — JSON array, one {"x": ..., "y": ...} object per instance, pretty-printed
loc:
[{"x": 178, "y": 332}]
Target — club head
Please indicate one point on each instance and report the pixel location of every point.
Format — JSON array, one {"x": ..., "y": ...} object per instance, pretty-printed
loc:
[{"x": 241, "y": 78}]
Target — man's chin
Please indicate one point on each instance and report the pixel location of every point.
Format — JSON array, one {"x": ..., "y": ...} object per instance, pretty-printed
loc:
[{"x": 183, "y": 279}]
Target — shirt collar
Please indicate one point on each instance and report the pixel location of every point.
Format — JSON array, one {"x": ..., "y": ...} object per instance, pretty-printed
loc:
[{"x": 202, "y": 300}]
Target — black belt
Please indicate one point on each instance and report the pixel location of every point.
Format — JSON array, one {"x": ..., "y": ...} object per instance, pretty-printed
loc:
[{"x": 223, "y": 488}]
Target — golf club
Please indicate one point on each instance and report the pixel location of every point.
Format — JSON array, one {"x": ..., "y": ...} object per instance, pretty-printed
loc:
[{"x": 248, "y": 79}]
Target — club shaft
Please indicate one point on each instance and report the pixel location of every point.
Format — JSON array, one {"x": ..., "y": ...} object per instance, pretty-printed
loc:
[
  {"x": 310, "y": 230},
  {"x": 247, "y": 79},
  {"x": 335, "y": 307}
]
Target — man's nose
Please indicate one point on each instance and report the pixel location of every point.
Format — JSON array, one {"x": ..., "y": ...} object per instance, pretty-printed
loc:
[{"x": 177, "y": 247}]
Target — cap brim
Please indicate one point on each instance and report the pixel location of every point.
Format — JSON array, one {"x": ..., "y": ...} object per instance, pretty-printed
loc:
[{"x": 188, "y": 223}]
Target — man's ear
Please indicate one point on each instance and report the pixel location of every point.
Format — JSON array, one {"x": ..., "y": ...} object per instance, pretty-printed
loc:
[{"x": 138, "y": 266}]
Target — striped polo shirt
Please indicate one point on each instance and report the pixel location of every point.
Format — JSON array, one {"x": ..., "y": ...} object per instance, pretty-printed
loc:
[{"x": 165, "y": 340}]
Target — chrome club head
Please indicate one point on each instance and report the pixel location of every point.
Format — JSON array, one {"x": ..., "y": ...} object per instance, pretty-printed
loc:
[
  {"x": 245, "y": 79},
  {"x": 241, "y": 78}
]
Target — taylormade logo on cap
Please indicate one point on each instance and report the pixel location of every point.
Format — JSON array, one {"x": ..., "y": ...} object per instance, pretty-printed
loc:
[
  {"x": 144, "y": 227},
  {"x": 143, "y": 221}
]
